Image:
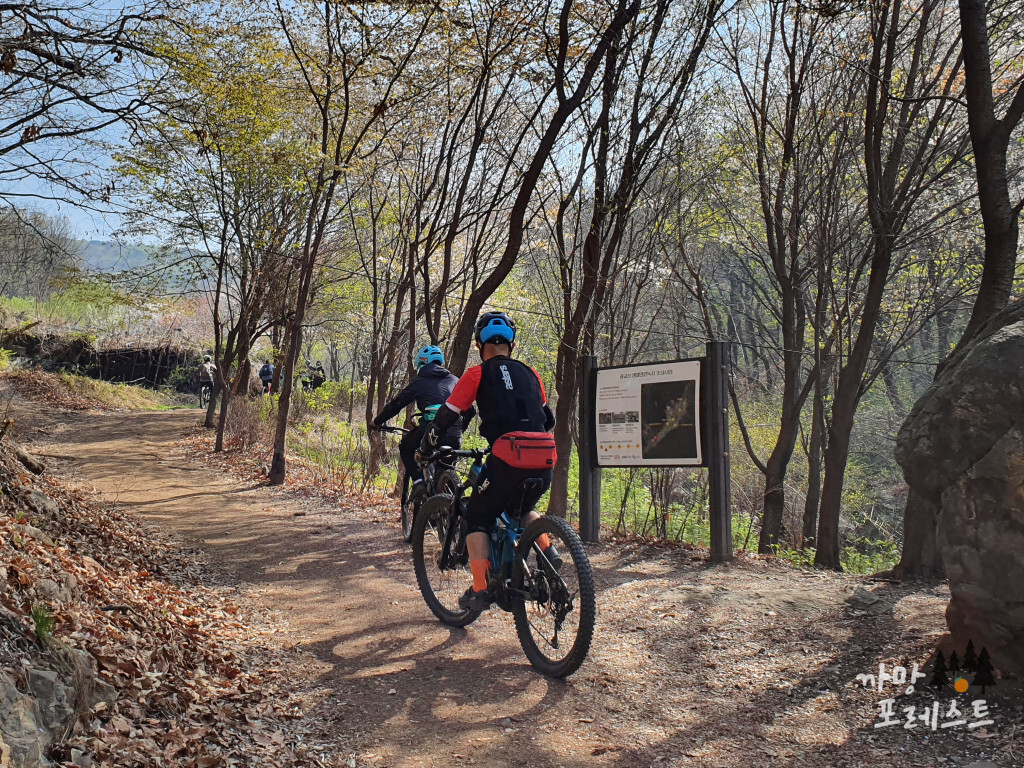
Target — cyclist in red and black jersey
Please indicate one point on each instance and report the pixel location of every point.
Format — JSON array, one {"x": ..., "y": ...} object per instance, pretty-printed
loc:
[{"x": 511, "y": 403}]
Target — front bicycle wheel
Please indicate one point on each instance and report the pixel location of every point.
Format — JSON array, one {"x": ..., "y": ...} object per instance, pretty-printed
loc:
[
  {"x": 441, "y": 561},
  {"x": 555, "y": 623},
  {"x": 448, "y": 482}
]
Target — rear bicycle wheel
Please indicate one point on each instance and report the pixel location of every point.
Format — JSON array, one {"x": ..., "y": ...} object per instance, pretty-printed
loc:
[
  {"x": 442, "y": 570},
  {"x": 555, "y": 623},
  {"x": 408, "y": 509},
  {"x": 204, "y": 396}
]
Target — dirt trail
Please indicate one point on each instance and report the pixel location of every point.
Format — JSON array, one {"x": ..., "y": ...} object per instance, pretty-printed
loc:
[{"x": 692, "y": 665}]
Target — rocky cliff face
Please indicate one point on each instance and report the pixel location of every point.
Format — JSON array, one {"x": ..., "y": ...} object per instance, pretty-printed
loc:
[{"x": 962, "y": 448}]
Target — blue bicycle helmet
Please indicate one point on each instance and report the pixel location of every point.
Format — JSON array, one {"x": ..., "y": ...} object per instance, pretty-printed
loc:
[
  {"x": 429, "y": 354},
  {"x": 496, "y": 327}
]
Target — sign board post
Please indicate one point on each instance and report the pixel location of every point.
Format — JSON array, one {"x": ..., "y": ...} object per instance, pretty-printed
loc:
[
  {"x": 590, "y": 473},
  {"x": 719, "y": 488}
]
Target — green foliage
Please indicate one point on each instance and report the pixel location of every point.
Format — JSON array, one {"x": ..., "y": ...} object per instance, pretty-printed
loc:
[
  {"x": 6, "y": 357},
  {"x": 330, "y": 394},
  {"x": 801, "y": 558},
  {"x": 115, "y": 394},
  {"x": 870, "y": 556},
  {"x": 44, "y": 622},
  {"x": 180, "y": 378},
  {"x": 78, "y": 301}
]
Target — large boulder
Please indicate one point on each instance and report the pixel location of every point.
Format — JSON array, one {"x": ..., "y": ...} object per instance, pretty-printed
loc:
[
  {"x": 22, "y": 738},
  {"x": 962, "y": 448}
]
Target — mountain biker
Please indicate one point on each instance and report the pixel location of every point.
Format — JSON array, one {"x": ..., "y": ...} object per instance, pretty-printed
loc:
[
  {"x": 206, "y": 371},
  {"x": 314, "y": 377},
  {"x": 431, "y": 387},
  {"x": 267, "y": 376},
  {"x": 512, "y": 404}
]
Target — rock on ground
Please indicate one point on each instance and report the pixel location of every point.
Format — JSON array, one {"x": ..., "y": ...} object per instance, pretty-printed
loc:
[{"x": 963, "y": 448}]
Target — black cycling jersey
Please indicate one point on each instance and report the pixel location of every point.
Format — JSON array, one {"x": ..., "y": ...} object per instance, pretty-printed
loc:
[
  {"x": 432, "y": 386},
  {"x": 509, "y": 396}
]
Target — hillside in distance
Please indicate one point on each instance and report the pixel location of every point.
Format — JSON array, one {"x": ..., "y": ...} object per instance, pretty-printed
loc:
[{"x": 108, "y": 256}]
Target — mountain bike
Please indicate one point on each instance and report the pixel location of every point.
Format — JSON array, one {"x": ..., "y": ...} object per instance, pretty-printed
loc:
[
  {"x": 205, "y": 392},
  {"x": 438, "y": 477},
  {"x": 554, "y": 608}
]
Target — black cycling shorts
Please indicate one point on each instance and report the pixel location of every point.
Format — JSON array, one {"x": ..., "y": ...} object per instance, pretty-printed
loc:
[{"x": 498, "y": 490}]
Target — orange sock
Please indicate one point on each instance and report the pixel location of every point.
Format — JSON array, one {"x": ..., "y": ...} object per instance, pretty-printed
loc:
[
  {"x": 543, "y": 541},
  {"x": 480, "y": 570}
]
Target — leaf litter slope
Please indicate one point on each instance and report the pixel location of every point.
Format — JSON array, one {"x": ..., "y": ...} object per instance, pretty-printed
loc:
[
  {"x": 168, "y": 665},
  {"x": 748, "y": 665}
]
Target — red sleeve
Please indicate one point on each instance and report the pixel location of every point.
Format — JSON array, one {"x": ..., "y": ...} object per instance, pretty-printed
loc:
[
  {"x": 543, "y": 394},
  {"x": 465, "y": 391}
]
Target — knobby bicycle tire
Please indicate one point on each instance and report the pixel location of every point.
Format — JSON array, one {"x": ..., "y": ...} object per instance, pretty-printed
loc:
[
  {"x": 448, "y": 482},
  {"x": 427, "y": 539},
  {"x": 575, "y": 555},
  {"x": 408, "y": 511}
]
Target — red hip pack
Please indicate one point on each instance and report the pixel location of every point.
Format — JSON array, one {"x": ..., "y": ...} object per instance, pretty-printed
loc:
[{"x": 526, "y": 450}]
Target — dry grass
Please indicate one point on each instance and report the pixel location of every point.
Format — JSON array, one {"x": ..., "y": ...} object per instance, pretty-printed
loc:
[
  {"x": 248, "y": 424},
  {"x": 116, "y": 396}
]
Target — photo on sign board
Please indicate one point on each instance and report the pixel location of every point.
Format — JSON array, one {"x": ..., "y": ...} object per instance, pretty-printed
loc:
[{"x": 667, "y": 423}]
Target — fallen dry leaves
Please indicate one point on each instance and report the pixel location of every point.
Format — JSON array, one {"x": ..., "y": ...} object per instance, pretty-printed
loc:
[
  {"x": 200, "y": 680},
  {"x": 42, "y": 387}
]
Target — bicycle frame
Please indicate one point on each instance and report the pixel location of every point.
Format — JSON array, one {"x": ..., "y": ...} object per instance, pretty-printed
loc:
[{"x": 503, "y": 538}]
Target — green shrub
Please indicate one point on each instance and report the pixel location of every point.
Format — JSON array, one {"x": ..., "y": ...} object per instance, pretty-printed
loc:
[
  {"x": 870, "y": 555},
  {"x": 325, "y": 397},
  {"x": 43, "y": 621},
  {"x": 180, "y": 378},
  {"x": 801, "y": 558}
]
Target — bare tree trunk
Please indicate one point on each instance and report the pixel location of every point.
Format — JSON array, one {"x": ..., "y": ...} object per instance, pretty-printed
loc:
[
  {"x": 814, "y": 446},
  {"x": 565, "y": 409},
  {"x": 990, "y": 139},
  {"x": 293, "y": 338},
  {"x": 777, "y": 465},
  {"x": 920, "y": 558},
  {"x": 568, "y": 103}
]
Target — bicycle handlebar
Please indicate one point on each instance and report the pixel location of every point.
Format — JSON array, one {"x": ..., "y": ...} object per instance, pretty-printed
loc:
[
  {"x": 393, "y": 429},
  {"x": 389, "y": 428}
]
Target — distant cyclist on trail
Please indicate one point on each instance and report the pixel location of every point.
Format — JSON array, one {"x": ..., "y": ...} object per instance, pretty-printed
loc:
[
  {"x": 206, "y": 371},
  {"x": 512, "y": 406},
  {"x": 267, "y": 376},
  {"x": 431, "y": 387}
]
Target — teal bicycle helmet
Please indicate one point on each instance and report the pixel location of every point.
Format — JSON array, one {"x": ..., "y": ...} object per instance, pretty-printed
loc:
[{"x": 429, "y": 354}]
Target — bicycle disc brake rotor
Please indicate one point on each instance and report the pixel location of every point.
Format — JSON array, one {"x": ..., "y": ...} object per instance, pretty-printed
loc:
[{"x": 552, "y": 601}]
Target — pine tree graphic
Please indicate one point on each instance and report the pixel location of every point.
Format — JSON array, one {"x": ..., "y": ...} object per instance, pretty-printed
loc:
[
  {"x": 984, "y": 675},
  {"x": 954, "y": 665},
  {"x": 939, "y": 678},
  {"x": 970, "y": 662}
]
